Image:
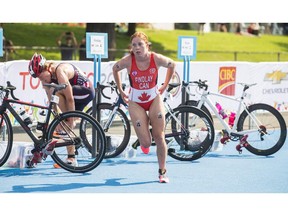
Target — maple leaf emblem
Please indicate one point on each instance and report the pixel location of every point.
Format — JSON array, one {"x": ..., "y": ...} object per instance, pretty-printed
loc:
[{"x": 144, "y": 96}]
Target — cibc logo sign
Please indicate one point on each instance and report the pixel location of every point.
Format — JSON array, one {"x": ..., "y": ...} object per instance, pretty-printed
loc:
[{"x": 227, "y": 77}]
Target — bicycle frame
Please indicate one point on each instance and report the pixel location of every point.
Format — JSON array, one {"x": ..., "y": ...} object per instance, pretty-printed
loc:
[
  {"x": 241, "y": 107},
  {"x": 170, "y": 111},
  {"x": 71, "y": 128},
  {"x": 6, "y": 105},
  {"x": 116, "y": 104}
]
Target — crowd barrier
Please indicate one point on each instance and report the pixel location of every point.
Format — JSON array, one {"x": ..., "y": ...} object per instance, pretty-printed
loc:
[{"x": 271, "y": 79}]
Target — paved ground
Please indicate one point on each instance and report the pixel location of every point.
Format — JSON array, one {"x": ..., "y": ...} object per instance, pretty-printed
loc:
[
  {"x": 205, "y": 182},
  {"x": 217, "y": 172}
]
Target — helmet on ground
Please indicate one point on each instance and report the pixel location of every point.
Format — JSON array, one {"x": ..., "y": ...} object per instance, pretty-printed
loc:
[{"x": 36, "y": 65}]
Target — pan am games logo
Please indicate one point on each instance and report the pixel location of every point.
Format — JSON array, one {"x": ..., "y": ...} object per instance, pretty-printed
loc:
[{"x": 227, "y": 77}]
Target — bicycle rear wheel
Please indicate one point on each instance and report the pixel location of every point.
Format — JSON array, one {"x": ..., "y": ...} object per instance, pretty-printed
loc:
[
  {"x": 266, "y": 129},
  {"x": 189, "y": 133},
  {"x": 6, "y": 138},
  {"x": 117, "y": 132},
  {"x": 88, "y": 156}
]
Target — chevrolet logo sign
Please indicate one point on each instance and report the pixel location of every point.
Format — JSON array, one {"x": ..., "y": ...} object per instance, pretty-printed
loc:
[{"x": 276, "y": 76}]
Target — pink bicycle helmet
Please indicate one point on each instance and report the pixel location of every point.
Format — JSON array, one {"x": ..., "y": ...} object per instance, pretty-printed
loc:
[{"x": 36, "y": 65}]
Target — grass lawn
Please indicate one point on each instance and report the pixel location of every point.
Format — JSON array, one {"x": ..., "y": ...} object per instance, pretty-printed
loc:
[{"x": 213, "y": 46}]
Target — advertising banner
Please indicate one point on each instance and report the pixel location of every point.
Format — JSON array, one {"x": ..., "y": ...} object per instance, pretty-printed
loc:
[{"x": 224, "y": 77}]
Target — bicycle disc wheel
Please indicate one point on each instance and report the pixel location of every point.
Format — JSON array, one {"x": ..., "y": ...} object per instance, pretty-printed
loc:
[
  {"x": 189, "y": 133},
  {"x": 203, "y": 107},
  {"x": 266, "y": 135},
  {"x": 88, "y": 156},
  {"x": 6, "y": 138},
  {"x": 117, "y": 131}
]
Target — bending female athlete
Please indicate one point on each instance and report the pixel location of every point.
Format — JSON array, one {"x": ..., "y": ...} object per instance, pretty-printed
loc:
[{"x": 75, "y": 96}]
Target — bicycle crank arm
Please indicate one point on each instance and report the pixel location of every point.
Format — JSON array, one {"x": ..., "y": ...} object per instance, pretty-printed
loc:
[{"x": 243, "y": 143}]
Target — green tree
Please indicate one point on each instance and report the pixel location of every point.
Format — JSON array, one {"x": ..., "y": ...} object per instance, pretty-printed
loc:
[{"x": 131, "y": 29}]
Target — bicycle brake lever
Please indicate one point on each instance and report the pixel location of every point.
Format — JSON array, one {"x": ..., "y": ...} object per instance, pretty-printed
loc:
[{"x": 12, "y": 88}]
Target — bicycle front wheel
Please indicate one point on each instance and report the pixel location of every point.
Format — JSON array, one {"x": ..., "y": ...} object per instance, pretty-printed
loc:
[
  {"x": 189, "y": 133},
  {"x": 77, "y": 139},
  {"x": 265, "y": 127},
  {"x": 116, "y": 126},
  {"x": 6, "y": 138}
]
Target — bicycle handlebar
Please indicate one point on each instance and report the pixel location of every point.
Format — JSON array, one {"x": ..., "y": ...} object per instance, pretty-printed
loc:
[
  {"x": 113, "y": 87},
  {"x": 9, "y": 89},
  {"x": 200, "y": 83}
]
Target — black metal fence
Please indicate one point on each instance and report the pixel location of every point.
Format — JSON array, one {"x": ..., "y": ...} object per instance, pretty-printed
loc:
[{"x": 25, "y": 52}]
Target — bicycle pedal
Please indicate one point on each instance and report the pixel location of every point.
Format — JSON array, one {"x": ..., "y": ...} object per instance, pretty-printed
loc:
[
  {"x": 37, "y": 157},
  {"x": 239, "y": 148},
  {"x": 242, "y": 144},
  {"x": 224, "y": 140}
]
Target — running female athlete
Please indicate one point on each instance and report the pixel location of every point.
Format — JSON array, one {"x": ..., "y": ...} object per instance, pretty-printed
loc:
[
  {"x": 75, "y": 96},
  {"x": 145, "y": 102}
]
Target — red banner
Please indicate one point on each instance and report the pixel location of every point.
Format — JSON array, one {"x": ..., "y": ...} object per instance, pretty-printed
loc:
[{"x": 227, "y": 77}]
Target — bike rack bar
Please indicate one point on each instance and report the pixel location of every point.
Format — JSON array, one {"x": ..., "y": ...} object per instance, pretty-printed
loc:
[{"x": 96, "y": 100}]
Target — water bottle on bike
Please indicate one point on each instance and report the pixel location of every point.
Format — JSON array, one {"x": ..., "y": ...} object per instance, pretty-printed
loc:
[
  {"x": 221, "y": 111},
  {"x": 232, "y": 117},
  {"x": 41, "y": 121},
  {"x": 25, "y": 117}
]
